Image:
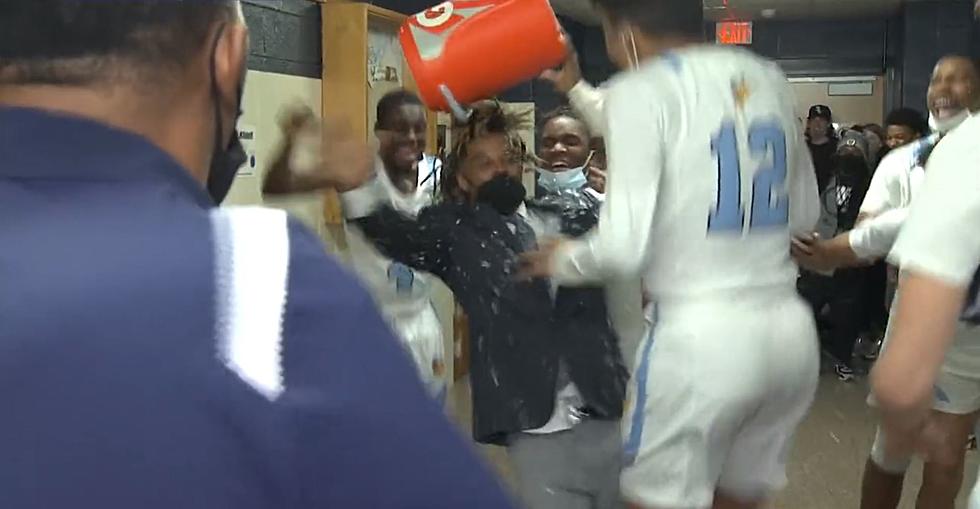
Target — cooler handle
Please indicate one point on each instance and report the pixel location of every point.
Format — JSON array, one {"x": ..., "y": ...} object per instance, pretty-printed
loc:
[{"x": 461, "y": 113}]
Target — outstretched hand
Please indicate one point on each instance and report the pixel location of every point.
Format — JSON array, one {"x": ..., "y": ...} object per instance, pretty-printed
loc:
[
  {"x": 540, "y": 262},
  {"x": 811, "y": 253},
  {"x": 826, "y": 255}
]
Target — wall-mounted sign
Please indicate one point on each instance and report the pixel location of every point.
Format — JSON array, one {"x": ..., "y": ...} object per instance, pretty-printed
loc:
[
  {"x": 246, "y": 134},
  {"x": 855, "y": 88},
  {"x": 733, "y": 32}
]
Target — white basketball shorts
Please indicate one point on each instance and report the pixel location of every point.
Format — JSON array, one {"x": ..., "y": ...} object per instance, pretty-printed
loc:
[{"x": 719, "y": 388}]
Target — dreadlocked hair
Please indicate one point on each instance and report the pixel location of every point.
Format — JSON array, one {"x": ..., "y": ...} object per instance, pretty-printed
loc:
[{"x": 487, "y": 117}]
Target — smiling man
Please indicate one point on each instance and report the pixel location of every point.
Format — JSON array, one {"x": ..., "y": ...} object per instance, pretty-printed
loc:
[
  {"x": 565, "y": 152},
  {"x": 904, "y": 125},
  {"x": 404, "y": 294},
  {"x": 547, "y": 377},
  {"x": 938, "y": 251},
  {"x": 954, "y": 92}
]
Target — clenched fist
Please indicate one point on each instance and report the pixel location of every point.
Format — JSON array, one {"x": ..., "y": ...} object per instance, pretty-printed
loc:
[{"x": 318, "y": 155}]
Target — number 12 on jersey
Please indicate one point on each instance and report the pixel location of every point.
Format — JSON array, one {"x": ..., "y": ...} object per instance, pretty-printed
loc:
[{"x": 769, "y": 201}]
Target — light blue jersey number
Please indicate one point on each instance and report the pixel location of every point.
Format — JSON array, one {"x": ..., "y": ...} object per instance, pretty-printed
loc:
[
  {"x": 403, "y": 277},
  {"x": 770, "y": 204}
]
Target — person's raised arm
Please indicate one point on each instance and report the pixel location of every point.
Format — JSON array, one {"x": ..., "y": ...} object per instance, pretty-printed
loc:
[
  {"x": 586, "y": 99},
  {"x": 618, "y": 247},
  {"x": 362, "y": 431},
  {"x": 420, "y": 242},
  {"x": 336, "y": 160},
  {"x": 869, "y": 241},
  {"x": 884, "y": 187},
  {"x": 875, "y": 236},
  {"x": 316, "y": 156}
]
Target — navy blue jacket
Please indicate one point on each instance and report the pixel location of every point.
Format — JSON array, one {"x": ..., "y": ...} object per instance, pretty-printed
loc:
[{"x": 112, "y": 391}]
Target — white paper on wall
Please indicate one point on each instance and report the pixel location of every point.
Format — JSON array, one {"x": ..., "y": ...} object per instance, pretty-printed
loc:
[
  {"x": 384, "y": 57},
  {"x": 246, "y": 134}
]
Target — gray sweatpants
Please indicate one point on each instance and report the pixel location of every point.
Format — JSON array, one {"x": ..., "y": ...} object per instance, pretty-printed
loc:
[{"x": 574, "y": 469}]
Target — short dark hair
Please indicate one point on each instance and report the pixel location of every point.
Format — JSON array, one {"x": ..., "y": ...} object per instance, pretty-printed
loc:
[
  {"x": 669, "y": 17},
  {"x": 72, "y": 42},
  {"x": 566, "y": 112},
  {"x": 910, "y": 118},
  {"x": 390, "y": 102}
]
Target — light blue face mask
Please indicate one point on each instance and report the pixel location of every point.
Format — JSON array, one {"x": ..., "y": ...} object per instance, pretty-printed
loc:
[
  {"x": 568, "y": 180},
  {"x": 571, "y": 179}
]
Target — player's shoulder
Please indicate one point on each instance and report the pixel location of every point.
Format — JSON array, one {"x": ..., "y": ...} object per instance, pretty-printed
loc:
[
  {"x": 273, "y": 277},
  {"x": 266, "y": 236},
  {"x": 964, "y": 136},
  {"x": 956, "y": 154},
  {"x": 638, "y": 81},
  {"x": 712, "y": 58},
  {"x": 675, "y": 72},
  {"x": 656, "y": 83}
]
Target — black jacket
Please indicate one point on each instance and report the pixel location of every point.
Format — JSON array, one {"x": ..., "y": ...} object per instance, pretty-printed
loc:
[
  {"x": 823, "y": 161},
  {"x": 517, "y": 332}
]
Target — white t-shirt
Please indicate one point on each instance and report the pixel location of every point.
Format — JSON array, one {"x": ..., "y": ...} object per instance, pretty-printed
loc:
[
  {"x": 941, "y": 237},
  {"x": 708, "y": 175},
  {"x": 403, "y": 294},
  {"x": 400, "y": 291},
  {"x": 894, "y": 185},
  {"x": 896, "y": 179}
]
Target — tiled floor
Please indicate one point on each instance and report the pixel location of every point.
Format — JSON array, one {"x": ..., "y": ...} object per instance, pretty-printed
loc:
[{"x": 825, "y": 471}]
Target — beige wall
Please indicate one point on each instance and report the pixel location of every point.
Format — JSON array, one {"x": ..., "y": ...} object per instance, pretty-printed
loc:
[
  {"x": 847, "y": 109},
  {"x": 265, "y": 95}
]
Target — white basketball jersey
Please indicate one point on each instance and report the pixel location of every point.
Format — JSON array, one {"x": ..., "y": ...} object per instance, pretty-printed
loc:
[
  {"x": 403, "y": 293},
  {"x": 735, "y": 173}
]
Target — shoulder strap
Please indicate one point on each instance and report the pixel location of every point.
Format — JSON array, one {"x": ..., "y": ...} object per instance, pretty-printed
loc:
[{"x": 251, "y": 254}]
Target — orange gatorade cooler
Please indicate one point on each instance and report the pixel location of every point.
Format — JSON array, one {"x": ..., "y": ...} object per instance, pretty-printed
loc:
[{"x": 462, "y": 51}]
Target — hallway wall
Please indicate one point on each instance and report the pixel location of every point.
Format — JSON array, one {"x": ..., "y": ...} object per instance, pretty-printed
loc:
[{"x": 847, "y": 109}]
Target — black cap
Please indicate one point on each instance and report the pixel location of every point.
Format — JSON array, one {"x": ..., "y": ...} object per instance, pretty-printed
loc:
[{"x": 821, "y": 111}]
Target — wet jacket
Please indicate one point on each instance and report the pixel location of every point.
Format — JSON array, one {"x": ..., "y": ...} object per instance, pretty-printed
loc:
[{"x": 518, "y": 333}]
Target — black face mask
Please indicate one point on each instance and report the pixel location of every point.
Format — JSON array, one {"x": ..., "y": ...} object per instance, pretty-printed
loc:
[
  {"x": 851, "y": 167},
  {"x": 503, "y": 193},
  {"x": 228, "y": 157}
]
